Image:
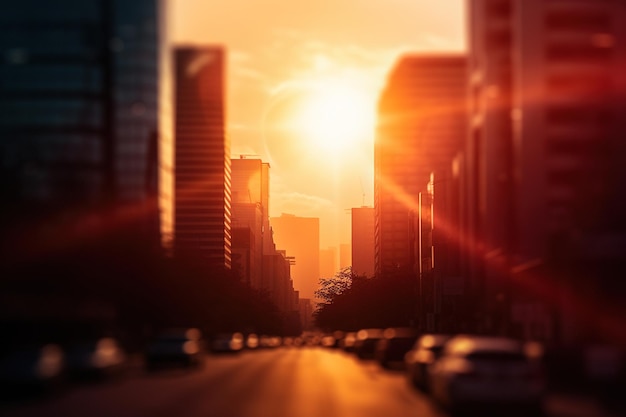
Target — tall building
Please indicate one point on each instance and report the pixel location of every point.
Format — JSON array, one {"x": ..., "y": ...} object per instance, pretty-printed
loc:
[
  {"x": 363, "y": 241},
  {"x": 77, "y": 129},
  {"x": 202, "y": 187},
  {"x": 82, "y": 127},
  {"x": 421, "y": 126},
  {"x": 250, "y": 200},
  {"x": 328, "y": 262},
  {"x": 548, "y": 95},
  {"x": 421, "y": 131},
  {"x": 345, "y": 255},
  {"x": 300, "y": 237}
]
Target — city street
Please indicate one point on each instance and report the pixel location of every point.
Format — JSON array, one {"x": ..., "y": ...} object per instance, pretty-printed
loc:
[{"x": 307, "y": 382}]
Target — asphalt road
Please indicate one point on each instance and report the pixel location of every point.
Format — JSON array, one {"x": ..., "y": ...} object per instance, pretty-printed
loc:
[{"x": 285, "y": 382}]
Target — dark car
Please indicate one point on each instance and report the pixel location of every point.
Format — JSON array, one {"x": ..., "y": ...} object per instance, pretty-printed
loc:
[
  {"x": 97, "y": 358},
  {"x": 366, "y": 341},
  {"x": 32, "y": 369},
  {"x": 347, "y": 342},
  {"x": 396, "y": 342},
  {"x": 181, "y": 347},
  {"x": 425, "y": 351},
  {"x": 227, "y": 343}
]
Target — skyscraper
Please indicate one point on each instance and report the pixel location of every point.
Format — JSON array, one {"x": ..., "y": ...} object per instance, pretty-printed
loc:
[
  {"x": 84, "y": 118},
  {"x": 79, "y": 134},
  {"x": 548, "y": 98},
  {"x": 363, "y": 241},
  {"x": 202, "y": 187},
  {"x": 345, "y": 255},
  {"x": 250, "y": 200},
  {"x": 421, "y": 126},
  {"x": 300, "y": 237}
]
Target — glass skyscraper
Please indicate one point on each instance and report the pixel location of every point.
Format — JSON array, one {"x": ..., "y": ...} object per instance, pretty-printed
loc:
[{"x": 79, "y": 116}]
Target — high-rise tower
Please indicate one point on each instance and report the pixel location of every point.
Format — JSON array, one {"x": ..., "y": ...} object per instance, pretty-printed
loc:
[{"x": 202, "y": 222}]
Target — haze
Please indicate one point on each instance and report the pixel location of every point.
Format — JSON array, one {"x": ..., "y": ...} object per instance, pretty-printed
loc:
[{"x": 280, "y": 52}]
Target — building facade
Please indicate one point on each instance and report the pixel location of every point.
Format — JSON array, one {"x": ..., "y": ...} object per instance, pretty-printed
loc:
[
  {"x": 202, "y": 175},
  {"x": 299, "y": 237},
  {"x": 363, "y": 241},
  {"x": 421, "y": 126},
  {"x": 250, "y": 200},
  {"x": 546, "y": 162},
  {"x": 82, "y": 125}
]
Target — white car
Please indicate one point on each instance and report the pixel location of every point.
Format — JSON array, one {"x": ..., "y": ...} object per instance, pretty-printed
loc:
[{"x": 488, "y": 371}]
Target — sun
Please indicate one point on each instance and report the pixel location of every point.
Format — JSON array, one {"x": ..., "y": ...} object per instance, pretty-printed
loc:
[{"x": 335, "y": 117}]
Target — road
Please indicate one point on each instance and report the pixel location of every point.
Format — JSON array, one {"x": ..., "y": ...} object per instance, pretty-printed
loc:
[{"x": 285, "y": 382}]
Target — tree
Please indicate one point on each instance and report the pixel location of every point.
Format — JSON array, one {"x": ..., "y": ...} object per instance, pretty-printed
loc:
[
  {"x": 353, "y": 302},
  {"x": 331, "y": 288}
]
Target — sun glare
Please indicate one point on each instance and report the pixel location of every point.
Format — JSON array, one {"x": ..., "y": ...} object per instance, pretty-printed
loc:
[{"x": 335, "y": 117}]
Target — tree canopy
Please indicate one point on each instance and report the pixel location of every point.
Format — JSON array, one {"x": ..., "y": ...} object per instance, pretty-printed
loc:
[{"x": 354, "y": 302}]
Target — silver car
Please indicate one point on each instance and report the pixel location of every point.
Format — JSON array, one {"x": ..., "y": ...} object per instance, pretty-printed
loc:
[{"x": 488, "y": 371}]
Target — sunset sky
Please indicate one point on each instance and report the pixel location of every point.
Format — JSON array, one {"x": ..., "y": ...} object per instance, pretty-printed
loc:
[{"x": 303, "y": 81}]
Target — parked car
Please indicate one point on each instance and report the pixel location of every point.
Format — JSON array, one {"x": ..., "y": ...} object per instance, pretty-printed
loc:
[
  {"x": 366, "y": 340},
  {"x": 252, "y": 341},
  {"x": 487, "y": 372},
  {"x": 396, "y": 342},
  {"x": 97, "y": 358},
  {"x": 33, "y": 369},
  {"x": 425, "y": 351},
  {"x": 227, "y": 343},
  {"x": 347, "y": 342},
  {"x": 175, "y": 347}
]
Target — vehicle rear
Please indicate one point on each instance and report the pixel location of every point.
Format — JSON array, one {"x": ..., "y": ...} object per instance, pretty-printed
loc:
[{"x": 487, "y": 372}]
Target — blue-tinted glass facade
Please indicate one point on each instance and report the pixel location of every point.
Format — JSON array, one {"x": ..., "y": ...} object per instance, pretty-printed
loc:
[
  {"x": 79, "y": 102},
  {"x": 78, "y": 79},
  {"x": 79, "y": 113}
]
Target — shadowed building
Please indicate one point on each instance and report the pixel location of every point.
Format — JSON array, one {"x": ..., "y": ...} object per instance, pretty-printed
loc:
[
  {"x": 363, "y": 241},
  {"x": 421, "y": 126},
  {"x": 548, "y": 93},
  {"x": 202, "y": 225},
  {"x": 83, "y": 121},
  {"x": 250, "y": 201},
  {"x": 421, "y": 129},
  {"x": 260, "y": 264}
]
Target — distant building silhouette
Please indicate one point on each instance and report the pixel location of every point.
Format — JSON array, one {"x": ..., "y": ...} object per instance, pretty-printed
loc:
[
  {"x": 255, "y": 255},
  {"x": 299, "y": 236},
  {"x": 202, "y": 226},
  {"x": 363, "y": 241}
]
